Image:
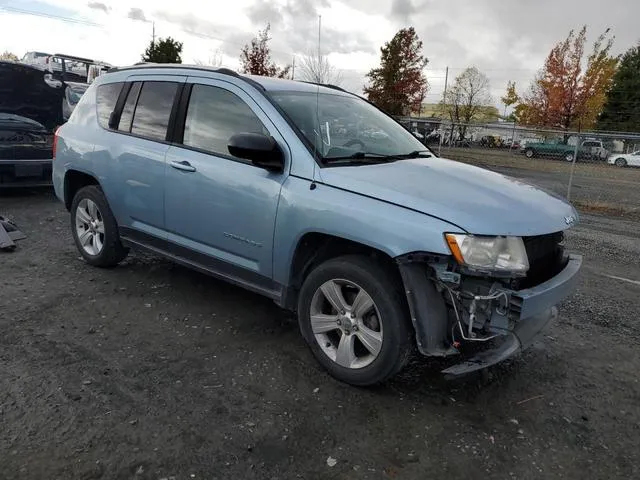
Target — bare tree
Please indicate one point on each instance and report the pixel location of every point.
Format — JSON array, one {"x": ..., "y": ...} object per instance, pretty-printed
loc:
[
  {"x": 214, "y": 60},
  {"x": 316, "y": 68},
  {"x": 467, "y": 99}
]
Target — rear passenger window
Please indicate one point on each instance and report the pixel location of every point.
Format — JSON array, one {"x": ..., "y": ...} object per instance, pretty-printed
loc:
[
  {"x": 106, "y": 99},
  {"x": 151, "y": 116},
  {"x": 214, "y": 115},
  {"x": 129, "y": 106}
]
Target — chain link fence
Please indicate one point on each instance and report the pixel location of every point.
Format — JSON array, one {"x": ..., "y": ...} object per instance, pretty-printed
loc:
[{"x": 594, "y": 170}]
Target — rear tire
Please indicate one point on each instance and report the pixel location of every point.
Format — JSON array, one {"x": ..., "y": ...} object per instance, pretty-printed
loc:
[
  {"x": 94, "y": 228},
  {"x": 378, "y": 328},
  {"x": 621, "y": 162},
  {"x": 568, "y": 157},
  {"x": 529, "y": 153}
]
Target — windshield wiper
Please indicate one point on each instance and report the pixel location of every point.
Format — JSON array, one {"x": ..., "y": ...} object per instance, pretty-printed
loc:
[
  {"x": 369, "y": 156},
  {"x": 377, "y": 157},
  {"x": 417, "y": 154}
]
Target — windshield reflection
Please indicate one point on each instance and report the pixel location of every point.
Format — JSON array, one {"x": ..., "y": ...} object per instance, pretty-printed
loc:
[{"x": 341, "y": 125}]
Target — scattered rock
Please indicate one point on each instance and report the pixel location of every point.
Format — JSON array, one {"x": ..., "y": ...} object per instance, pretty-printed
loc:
[
  {"x": 133, "y": 422},
  {"x": 87, "y": 382},
  {"x": 514, "y": 421},
  {"x": 585, "y": 418},
  {"x": 331, "y": 461},
  {"x": 140, "y": 470},
  {"x": 316, "y": 390},
  {"x": 413, "y": 458}
]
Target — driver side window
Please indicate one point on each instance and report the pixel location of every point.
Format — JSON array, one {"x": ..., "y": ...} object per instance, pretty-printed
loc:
[{"x": 214, "y": 115}]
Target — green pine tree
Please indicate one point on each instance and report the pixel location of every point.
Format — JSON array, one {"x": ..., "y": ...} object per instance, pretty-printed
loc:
[
  {"x": 165, "y": 50},
  {"x": 621, "y": 111}
]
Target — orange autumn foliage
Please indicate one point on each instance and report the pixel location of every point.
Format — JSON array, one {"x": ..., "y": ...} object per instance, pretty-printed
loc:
[{"x": 564, "y": 94}]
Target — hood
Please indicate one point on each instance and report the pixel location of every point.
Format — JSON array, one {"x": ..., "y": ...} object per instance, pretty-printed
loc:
[
  {"x": 475, "y": 199},
  {"x": 24, "y": 92},
  {"x": 18, "y": 123}
]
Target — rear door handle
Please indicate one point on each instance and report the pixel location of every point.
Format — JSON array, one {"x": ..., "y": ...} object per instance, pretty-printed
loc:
[{"x": 183, "y": 165}]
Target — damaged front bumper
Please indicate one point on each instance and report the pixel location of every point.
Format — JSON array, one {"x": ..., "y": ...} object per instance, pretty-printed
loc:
[{"x": 513, "y": 325}]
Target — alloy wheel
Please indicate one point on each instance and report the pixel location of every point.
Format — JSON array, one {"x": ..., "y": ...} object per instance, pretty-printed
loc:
[
  {"x": 89, "y": 227},
  {"x": 346, "y": 323}
]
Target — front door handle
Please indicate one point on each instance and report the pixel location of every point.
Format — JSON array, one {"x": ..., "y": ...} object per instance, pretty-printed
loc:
[{"x": 183, "y": 165}]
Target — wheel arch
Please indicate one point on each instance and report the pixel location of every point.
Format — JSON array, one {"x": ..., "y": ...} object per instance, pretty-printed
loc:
[
  {"x": 74, "y": 180},
  {"x": 314, "y": 248}
]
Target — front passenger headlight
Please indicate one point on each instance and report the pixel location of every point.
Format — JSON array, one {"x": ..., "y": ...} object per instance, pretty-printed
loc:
[{"x": 491, "y": 254}]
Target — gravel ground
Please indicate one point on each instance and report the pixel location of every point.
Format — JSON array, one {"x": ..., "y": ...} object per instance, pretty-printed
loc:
[
  {"x": 596, "y": 187},
  {"x": 151, "y": 371}
]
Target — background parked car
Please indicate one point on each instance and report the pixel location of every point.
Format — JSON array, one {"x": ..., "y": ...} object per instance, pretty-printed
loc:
[
  {"x": 35, "y": 58},
  {"x": 31, "y": 107},
  {"x": 588, "y": 149},
  {"x": 491, "y": 141},
  {"x": 625, "y": 159}
]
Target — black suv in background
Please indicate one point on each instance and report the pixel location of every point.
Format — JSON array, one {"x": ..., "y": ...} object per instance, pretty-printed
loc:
[{"x": 33, "y": 103}]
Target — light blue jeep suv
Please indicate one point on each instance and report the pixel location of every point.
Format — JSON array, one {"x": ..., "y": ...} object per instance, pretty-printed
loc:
[{"x": 313, "y": 197}]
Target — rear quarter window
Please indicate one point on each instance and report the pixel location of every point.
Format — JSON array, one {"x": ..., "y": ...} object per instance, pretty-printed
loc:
[{"x": 106, "y": 99}]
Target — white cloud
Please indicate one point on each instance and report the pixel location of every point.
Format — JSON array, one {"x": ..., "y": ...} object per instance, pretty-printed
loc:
[{"x": 507, "y": 40}]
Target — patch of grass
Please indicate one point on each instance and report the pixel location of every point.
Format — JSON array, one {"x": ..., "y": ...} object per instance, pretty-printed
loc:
[{"x": 607, "y": 209}]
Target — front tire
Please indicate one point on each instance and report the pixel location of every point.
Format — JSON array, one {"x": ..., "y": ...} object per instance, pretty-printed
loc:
[
  {"x": 354, "y": 318},
  {"x": 529, "y": 153},
  {"x": 621, "y": 162},
  {"x": 94, "y": 228},
  {"x": 568, "y": 157}
]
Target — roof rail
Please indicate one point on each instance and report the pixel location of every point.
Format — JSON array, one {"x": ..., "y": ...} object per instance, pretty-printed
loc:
[{"x": 152, "y": 65}]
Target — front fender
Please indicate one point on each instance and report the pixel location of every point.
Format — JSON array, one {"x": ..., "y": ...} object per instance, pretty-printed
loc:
[{"x": 389, "y": 228}]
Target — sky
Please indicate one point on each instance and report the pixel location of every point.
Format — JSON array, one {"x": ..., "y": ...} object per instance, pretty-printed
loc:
[{"x": 505, "y": 39}]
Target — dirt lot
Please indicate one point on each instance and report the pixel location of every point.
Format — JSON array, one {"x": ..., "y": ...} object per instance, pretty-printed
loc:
[{"x": 151, "y": 371}]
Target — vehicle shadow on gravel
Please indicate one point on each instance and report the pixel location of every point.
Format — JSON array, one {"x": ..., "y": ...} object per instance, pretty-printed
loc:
[{"x": 256, "y": 313}]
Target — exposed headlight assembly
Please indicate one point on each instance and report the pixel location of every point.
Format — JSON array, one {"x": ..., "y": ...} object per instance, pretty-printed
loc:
[{"x": 489, "y": 254}]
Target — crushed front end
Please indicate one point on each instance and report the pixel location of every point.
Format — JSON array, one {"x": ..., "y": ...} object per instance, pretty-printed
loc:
[{"x": 486, "y": 314}]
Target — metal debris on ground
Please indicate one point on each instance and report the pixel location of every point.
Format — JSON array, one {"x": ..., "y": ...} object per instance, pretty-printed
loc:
[{"x": 9, "y": 234}]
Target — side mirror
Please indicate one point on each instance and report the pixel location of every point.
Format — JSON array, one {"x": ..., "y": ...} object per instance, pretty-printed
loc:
[{"x": 261, "y": 150}]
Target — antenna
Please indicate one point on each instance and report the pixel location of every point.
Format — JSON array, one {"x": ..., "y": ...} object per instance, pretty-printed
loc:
[{"x": 319, "y": 133}]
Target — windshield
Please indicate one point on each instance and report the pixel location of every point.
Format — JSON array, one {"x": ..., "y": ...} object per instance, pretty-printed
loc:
[{"x": 339, "y": 126}]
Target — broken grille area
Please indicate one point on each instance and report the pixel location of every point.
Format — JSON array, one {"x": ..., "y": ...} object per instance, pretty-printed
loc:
[{"x": 546, "y": 258}]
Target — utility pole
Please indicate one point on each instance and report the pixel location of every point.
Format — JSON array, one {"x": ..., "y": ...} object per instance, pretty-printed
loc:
[
  {"x": 293, "y": 68},
  {"x": 153, "y": 33},
  {"x": 444, "y": 104}
]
